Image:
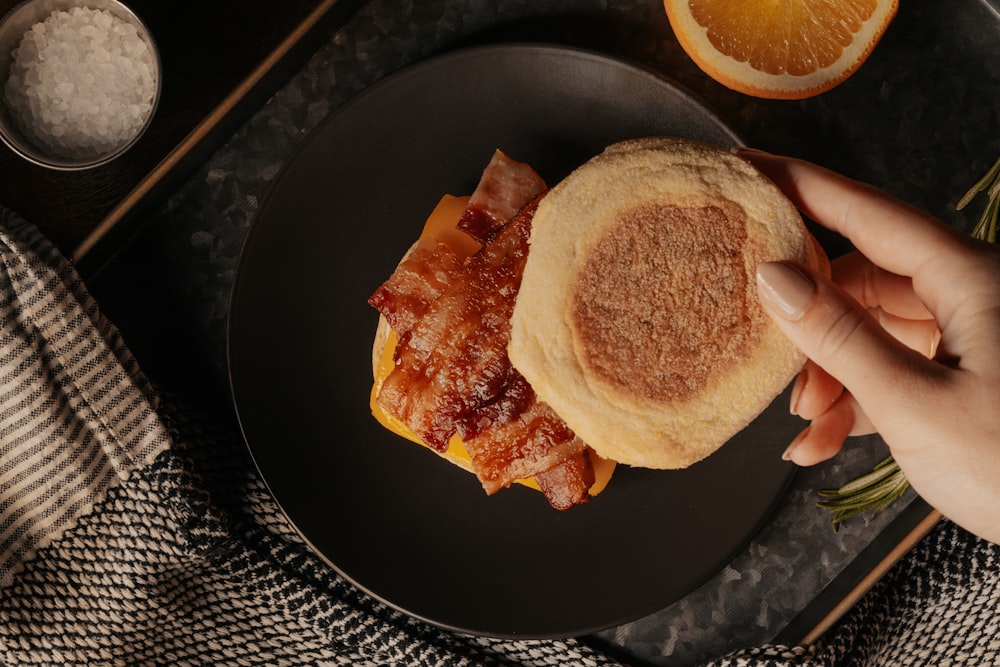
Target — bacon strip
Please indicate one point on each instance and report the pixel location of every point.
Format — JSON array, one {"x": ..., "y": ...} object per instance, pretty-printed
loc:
[
  {"x": 526, "y": 441},
  {"x": 423, "y": 276},
  {"x": 452, "y": 373},
  {"x": 454, "y": 359},
  {"x": 505, "y": 187},
  {"x": 568, "y": 484}
]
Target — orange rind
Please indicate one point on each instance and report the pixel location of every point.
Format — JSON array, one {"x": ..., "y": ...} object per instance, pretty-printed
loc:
[{"x": 779, "y": 49}]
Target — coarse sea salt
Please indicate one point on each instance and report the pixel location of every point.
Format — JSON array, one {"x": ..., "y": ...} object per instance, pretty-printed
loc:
[{"x": 82, "y": 83}]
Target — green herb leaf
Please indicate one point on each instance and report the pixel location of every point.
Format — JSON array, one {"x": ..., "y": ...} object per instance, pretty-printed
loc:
[
  {"x": 887, "y": 483},
  {"x": 986, "y": 227},
  {"x": 869, "y": 493}
]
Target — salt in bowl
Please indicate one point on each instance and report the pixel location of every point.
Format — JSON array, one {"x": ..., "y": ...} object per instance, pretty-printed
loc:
[{"x": 84, "y": 89}]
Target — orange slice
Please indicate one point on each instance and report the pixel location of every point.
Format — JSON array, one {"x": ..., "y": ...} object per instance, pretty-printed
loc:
[{"x": 780, "y": 49}]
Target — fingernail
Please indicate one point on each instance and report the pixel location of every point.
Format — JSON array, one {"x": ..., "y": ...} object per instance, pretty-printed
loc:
[
  {"x": 747, "y": 150},
  {"x": 797, "y": 388},
  {"x": 785, "y": 287},
  {"x": 790, "y": 450}
]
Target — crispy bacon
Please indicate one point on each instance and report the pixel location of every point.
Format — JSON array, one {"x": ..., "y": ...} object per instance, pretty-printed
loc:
[
  {"x": 504, "y": 188},
  {"x": 526, "y": 441},
  {"x": 453, "y": 361},
  {"x": 452, "y": 373},
  {"x": 568, "y": 484},
  {"x": 421, "y": 278}
]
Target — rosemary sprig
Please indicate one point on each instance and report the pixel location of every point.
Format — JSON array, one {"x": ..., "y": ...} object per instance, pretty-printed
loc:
[
  {"x": 877, "y": 490},
  {"x": 886, "y": 483},
  {"x": 986, "y": 227}
]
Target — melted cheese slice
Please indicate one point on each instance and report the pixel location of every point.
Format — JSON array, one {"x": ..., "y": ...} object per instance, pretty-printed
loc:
[{"x": 442, "y": 226}]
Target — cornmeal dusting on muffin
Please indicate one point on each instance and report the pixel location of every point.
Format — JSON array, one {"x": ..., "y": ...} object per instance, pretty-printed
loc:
[{"x": 656, "y": 279}]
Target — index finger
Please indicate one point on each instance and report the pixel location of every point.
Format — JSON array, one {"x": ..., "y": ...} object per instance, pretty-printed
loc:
[{"x": 894, "y": 235}]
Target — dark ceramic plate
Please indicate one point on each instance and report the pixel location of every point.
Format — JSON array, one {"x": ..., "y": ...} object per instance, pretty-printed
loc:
[{"x": 390, "y": 516}]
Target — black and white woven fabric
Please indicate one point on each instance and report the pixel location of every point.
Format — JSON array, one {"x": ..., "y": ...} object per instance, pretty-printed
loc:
[{"x": 133, "y": 534}]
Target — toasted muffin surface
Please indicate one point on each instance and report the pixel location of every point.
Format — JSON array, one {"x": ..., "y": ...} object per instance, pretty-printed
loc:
[{"x": 637, "y": 318}]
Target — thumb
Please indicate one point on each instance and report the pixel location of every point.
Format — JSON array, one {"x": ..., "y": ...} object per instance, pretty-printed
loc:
[{"x": 838, "y": 334}]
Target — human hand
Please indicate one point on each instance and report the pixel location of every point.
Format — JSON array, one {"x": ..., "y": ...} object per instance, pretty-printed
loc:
[{"x": 904, "y": 341}]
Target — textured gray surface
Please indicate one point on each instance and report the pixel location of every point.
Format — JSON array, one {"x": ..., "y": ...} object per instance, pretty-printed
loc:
[{"x": 919, "y": 119}]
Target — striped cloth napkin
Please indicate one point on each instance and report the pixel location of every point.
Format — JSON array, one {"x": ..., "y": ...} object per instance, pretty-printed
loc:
[{"x": 133, "y": 532}]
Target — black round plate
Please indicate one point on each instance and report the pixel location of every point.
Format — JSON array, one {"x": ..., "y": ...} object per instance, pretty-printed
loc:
[{"x": 390, "y": 516}]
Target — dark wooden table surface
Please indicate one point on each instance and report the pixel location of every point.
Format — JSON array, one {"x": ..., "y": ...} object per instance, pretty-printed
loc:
[{"x": 216, "y": 71}]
